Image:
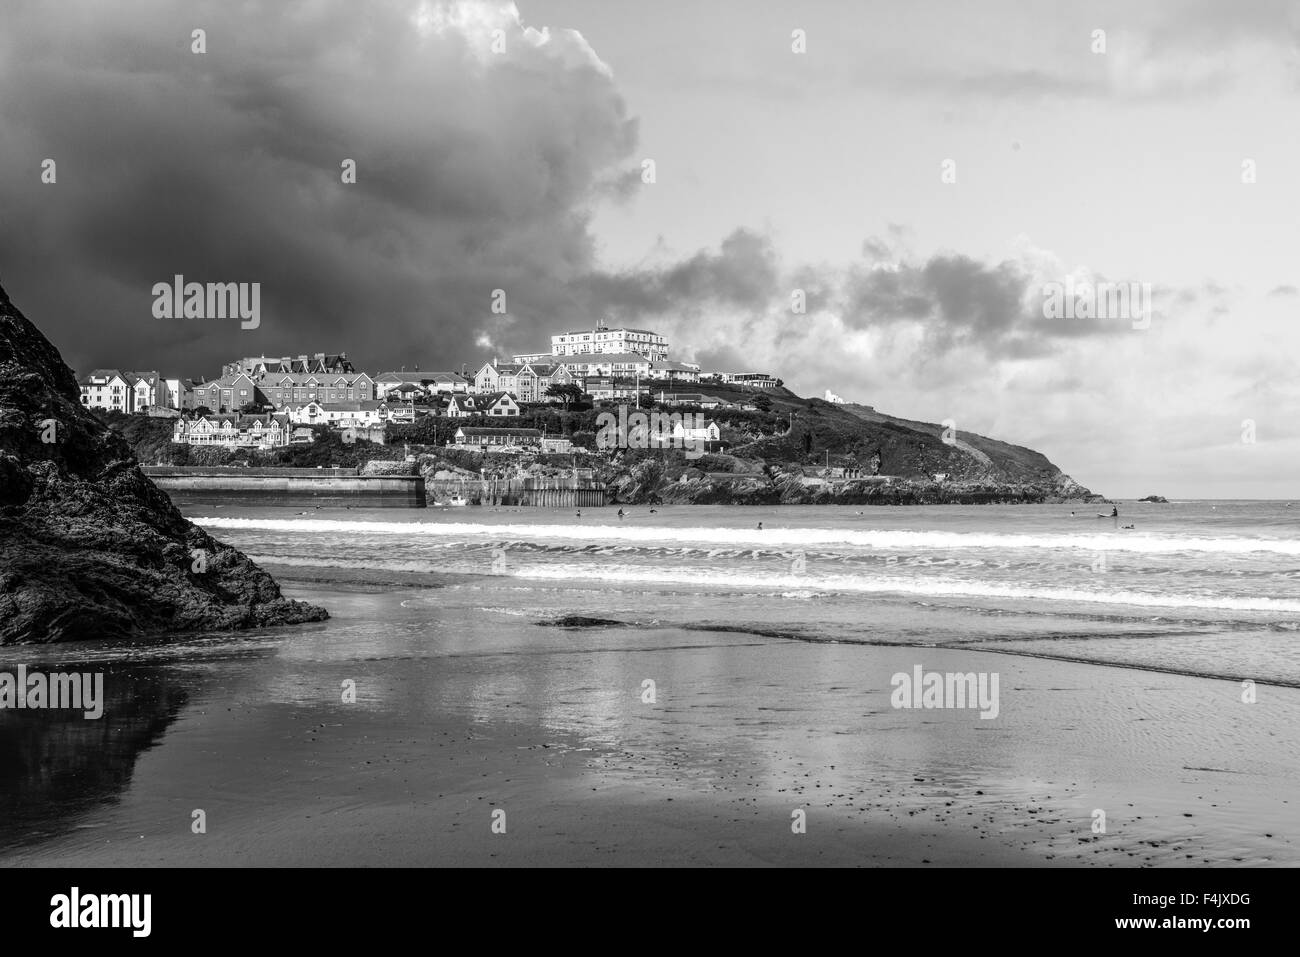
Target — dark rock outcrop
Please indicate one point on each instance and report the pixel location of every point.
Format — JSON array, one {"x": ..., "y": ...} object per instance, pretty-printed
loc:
[
  {"x": 89, "y": 547},
  {"x": 1155, "y": 499}
]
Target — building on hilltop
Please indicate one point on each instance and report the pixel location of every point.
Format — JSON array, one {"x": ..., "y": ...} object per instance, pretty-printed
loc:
[
  {"x": 756, "y": 380},
  {"x": 675, "y": 371},
  {"x": 602, "y": 340}
]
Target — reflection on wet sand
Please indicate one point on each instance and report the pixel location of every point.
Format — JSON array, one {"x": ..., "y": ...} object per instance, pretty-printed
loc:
[{"x": 57, "y": 765}]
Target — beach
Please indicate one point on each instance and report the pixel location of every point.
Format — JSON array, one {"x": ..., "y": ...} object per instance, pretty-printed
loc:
[{"x": 488, "y": 673}]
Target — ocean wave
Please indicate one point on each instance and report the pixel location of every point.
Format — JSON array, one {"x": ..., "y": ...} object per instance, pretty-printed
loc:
[
  {"x": 885, "y": 539},
  {"x": 810, "y": 585}
]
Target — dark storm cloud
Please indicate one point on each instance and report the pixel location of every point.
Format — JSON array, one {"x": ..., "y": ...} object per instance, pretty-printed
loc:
[
  {"x": 962, "y": 304},
  {"x": 474, "y": 172},
  {"x": 742, "y": 273}
]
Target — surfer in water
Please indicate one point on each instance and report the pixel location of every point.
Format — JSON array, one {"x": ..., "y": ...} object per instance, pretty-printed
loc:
[
  {"x": 760, "y": 526},
  {"x": 620, "y": 514}
]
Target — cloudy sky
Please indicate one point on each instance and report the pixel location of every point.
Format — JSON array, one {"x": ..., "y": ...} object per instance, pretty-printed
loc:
[{"x": 923, "y": 172}]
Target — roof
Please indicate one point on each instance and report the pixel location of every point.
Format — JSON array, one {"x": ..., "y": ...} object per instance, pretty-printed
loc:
[
  {"x": 579, "y": 332},
  {"x": 225, "y": 382},
  {"x": 101, "y": 374},
  {"x": 367, "y": 406},
  {"x": 472, "y": 432},
  {"x": 242, "y": 421},
  {"x": 324, "y": 378},
  {"x": 674, "y": 366},
  {"x": 602, "y": 358}
]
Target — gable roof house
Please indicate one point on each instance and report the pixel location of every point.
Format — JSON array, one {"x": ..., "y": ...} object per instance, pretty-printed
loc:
[
  {"x": 283, "y": 389},
  {"x": 228, "y": 394},
  {"x": 107, "y": 389},
  {"x": 491, "y": 404},
  {"x": 234, "y": 431}
]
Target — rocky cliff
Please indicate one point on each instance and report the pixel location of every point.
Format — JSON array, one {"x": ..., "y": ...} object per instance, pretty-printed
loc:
[{"x": 89, "y": 547}]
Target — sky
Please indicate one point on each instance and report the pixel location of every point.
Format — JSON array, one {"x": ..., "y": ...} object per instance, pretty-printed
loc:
[{"x": 924, "y": 175}]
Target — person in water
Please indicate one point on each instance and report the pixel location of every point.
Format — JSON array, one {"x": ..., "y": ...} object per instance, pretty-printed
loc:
[
  {"x": 620, "y": 513},
  {"x": 760, "y": 526},
  {"x": 1114, "y": 511}
]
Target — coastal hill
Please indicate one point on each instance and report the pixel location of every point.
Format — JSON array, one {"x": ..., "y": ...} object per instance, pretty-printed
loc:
[
  {"x": 777, "y": 455},
  {"x": 89, "y": 547},
  {"x": 776, "y": 448}
]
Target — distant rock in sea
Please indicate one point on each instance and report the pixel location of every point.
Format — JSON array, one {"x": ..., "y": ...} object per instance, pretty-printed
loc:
[
  {"x": 1158, "y": 499},
  {"x": 89, "y": 547}
]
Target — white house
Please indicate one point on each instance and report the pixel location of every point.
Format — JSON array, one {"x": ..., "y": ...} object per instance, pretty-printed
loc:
[
  {"x": 757, "y": 380},
  {"x": 675, "y": 371},
  {"x": 233, "y": 431},
  {"x": 107, "y": 389},
  {"x": 347, "y": 415},
  {"x": 603, "y": 340},
  {"x": 496, "y": 404},
  {"x": 148, "y": 390},
  {"x": 709, "y": 432},
  {"x": 615, "y": 364}
]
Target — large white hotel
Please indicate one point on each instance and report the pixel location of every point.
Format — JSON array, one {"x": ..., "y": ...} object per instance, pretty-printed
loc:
[{"x": 603, "y": 341}]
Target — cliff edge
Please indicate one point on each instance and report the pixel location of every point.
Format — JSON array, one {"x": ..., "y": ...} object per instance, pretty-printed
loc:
[{"x": 89, "y": 547}]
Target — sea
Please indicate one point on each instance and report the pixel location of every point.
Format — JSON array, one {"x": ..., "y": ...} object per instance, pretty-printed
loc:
[{"x": 1208, "y": 588}]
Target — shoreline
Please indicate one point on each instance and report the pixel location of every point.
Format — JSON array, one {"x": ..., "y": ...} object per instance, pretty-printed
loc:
[{"x": 442, "y": 734}]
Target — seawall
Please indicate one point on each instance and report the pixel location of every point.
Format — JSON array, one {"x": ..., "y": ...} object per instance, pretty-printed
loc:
[{"x": 288, "y": 486}]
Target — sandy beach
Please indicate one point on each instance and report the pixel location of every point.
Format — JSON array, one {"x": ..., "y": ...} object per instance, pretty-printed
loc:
[{"x": 460, "y": 713}]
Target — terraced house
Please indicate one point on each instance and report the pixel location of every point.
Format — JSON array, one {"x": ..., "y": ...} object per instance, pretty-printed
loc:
[
  {"x": 348, "y": 415},
  {"x": 234, "y": 431},
  {"x": 260, "y": 366},
  {"x": 298, "y": 388},
  {"x": 227, "y": 394},
  {"x": 526, "y": 381}
]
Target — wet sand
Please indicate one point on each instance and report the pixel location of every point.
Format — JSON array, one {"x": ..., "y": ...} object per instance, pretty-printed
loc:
[{"x": 462, "y": 710}]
